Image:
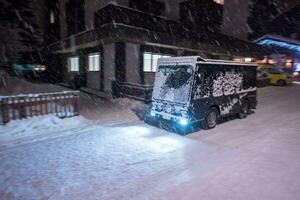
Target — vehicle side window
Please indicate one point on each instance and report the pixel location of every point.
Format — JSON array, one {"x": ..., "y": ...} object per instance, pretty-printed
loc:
[
  {"x": 273, "y": 71},
  {"x": 202, "y": 82},
  {"x": 249, "y": 77}
]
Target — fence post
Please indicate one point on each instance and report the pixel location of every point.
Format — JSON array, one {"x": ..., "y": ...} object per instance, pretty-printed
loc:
[
  {"x": 22, "y": 108},
  {"x": 4, "y": 111},
  {"x": 75, "y": 106}
]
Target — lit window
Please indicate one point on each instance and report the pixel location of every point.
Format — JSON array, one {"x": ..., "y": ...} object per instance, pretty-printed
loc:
[
  {"x": 147, "y": 62},
  {"x": 52, "y": 18},
  {"x": 219, "y": 2},
  {"x": 248, "y": 59},
  {"x": 271, "y": 61},
  {"x": 94, "y": 62},
  {"x": 288, "y": 63},
  {"x": 150, "y": 61},
  {"x": 73, "y": 64}
]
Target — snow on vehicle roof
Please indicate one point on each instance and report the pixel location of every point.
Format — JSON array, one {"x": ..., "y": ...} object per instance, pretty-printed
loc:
[
  {"x": 198, "y": 59},
  {"x": 182, "y": 59}
]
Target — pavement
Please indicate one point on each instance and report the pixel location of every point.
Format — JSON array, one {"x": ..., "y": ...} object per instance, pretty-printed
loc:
[{"x": 253, "y": 158}]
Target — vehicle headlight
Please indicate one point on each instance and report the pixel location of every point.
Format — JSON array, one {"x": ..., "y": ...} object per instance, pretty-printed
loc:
[
  {"x": 152, "y": 113},
  {"x": 184, "y": 121},
  {"x": 40, "y": 68}
]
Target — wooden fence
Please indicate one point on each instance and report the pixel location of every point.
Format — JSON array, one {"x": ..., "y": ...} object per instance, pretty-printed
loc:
[{"x": 63, "y": 104}]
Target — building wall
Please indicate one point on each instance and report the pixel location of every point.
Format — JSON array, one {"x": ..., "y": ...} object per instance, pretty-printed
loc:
[
  {"x": 286, "y": 5},
  {"x": 91, "y": 6},
  {"x": 93, "y": 80},
  {"x": 149, "y": 78},
  {"x": 62, "y": 18},
  {"x": 236, "y": 13},
  {"x": 133, "y": 63},
  {"x": 172, "y": 8},
  {"x": 108, "y": 66},
  {"x": 40, "y": 11},
  {"x": 235, "y": 16},
  {"x": 67, "y": 75}
]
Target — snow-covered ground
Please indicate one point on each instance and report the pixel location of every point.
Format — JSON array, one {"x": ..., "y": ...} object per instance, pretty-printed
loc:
[
  {"x": 107, "y": 111},
  {"x": 40, "y": 128},
  {"x": 99, "y": 110},
  {"x": 254, "y": 158}
]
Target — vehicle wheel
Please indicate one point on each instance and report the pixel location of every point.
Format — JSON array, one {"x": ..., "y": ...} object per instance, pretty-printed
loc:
[
  {"x": 211, "y": 119},
  {"x": 281, "y": 83},
  {"x": 245, "y": 108}
]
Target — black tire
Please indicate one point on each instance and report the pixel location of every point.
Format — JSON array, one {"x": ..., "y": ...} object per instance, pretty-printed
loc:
[
  {"x": 281, "y": 82},
  {"x": 244, "y": 111},
  {"x": 211, "y": 119}
]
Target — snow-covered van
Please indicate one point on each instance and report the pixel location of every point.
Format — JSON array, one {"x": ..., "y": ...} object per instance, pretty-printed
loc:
[{"x": 188, "y": 90}]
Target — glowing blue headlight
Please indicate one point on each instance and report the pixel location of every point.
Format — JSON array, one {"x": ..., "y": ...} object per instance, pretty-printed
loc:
[
  {"x": 183, "y": 122},
  {"x": 152, "y": 113}
]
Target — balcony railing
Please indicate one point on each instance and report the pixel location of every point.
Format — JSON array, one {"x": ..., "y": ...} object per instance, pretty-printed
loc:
[
  {"x": 115, "y": 23},
  {"x": 124, "y": 15}
]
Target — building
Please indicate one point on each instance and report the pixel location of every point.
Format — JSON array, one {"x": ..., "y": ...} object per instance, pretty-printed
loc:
[
  {"x": 283, "y": 40},
  {"x": 237, "y": 13},
  {"x": 114, "y": 47},
  {"x": 235, "y": 23},
  {"x": 201, "y": 15}
]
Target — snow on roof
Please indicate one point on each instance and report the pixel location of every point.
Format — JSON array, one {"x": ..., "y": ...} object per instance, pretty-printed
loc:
[
  {"x": 279, "y": 42},
  {"x": 277, "y": 37},
  {"x": 180, "y": 59},
  {"x": 198, "y": 59}
]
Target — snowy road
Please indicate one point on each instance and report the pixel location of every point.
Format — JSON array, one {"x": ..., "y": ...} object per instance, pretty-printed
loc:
[{"x": 254, "y": 158}]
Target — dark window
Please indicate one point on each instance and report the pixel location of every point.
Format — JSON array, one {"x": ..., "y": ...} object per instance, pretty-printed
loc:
[
  {"x": 249, "y": 77},
  {"x": 203, "y": 79}
]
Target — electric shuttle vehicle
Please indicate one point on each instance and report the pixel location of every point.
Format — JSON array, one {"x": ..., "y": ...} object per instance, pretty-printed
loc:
[{"x": 189, "y": 90}]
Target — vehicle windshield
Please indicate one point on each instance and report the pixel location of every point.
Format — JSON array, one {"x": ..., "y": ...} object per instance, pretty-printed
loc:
[{"x": 172, "y": 83}]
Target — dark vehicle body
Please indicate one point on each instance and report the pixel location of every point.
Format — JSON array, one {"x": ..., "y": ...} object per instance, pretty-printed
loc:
[{"x": 195, "y": 90}]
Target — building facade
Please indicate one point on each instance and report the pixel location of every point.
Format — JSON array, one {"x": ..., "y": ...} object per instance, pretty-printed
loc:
[{"x": 114, "y": 47}]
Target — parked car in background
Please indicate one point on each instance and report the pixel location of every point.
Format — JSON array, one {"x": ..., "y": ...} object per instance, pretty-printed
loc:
[
  {"x": 277, "y": 77},
  {"x": 29, "y": 70},
  {"x": 30, "y": 65}
]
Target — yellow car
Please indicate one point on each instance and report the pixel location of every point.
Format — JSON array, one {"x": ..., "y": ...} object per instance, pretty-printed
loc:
[{"x": 277, "y": 77}]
